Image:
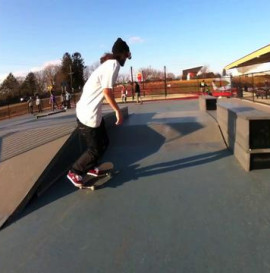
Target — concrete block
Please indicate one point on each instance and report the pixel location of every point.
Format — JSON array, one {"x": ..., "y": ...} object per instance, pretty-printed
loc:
[
  {"x": 242, "y": 156},
  {"x": 235, "y": 123},
  {"x": 207, "y": 103}
]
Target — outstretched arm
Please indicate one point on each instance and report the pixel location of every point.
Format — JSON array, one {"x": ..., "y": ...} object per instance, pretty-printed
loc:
[{"x": 110, "y": 99}]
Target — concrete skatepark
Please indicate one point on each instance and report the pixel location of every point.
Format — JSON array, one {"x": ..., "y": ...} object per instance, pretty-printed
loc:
[{"x": 181, "y": 203}]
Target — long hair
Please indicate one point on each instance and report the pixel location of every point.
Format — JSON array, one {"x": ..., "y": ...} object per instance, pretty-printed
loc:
[{"x": 107, "y": 56}]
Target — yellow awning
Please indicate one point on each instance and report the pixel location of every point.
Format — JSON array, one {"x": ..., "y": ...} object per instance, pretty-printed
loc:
[{"x": 259, "y": 56}]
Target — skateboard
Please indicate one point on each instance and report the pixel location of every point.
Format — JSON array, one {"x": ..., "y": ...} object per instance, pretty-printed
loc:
[{"x": 107, "y": 172}]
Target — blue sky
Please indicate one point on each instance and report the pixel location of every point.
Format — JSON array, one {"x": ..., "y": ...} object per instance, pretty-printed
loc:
[{"x": 178, "y": 33}]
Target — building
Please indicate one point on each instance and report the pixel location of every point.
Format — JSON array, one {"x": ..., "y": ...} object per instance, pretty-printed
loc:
[
  {"x": 254, "y": 62},
  {"x": 191, "y": 73}
]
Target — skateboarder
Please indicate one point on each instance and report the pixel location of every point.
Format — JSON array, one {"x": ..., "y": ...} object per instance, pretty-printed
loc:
[{"x": 91, "y": 125}]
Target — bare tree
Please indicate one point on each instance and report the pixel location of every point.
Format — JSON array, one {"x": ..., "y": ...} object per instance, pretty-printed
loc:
[
  {"x": 90, "y": 69},
  {"x": 50, "y": 72},
  {"x": 151, "y": 74},
  {"x": 170, "y": 76},
  {"x": 41, "y": 81},
  {"x": 123, "y": 78},
  {"x": 202, "y": 73}
]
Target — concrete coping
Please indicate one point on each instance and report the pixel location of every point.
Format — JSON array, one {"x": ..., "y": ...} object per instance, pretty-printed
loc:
[
  {"x": 244, "y": 112},
  {"x": 207, "y": 97}
]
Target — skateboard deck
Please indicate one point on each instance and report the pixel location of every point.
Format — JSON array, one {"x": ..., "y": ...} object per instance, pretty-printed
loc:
[{"x": 107, "y": 172}]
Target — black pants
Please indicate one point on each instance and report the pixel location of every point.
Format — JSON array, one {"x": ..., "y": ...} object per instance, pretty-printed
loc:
[{"x": 97, "y": 142}]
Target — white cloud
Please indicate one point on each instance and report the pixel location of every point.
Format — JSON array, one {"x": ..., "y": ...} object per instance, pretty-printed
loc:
[
  {"x": 135, "y": 40},
  {"x": 33, "y": 69},
  {"x": 39, "y": 68},
  {"x": 2, "y": 77}
]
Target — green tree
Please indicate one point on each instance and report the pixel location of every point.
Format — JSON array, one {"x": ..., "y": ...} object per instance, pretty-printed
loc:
[
  {"x": 78, "y": 71},
  {"x": 29, "y": 86},
  {"x": 66, "y": 69},
  {"x": 10, "y": 87}
]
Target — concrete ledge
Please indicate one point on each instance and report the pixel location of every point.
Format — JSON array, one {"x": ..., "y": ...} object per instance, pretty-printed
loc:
[
  {"x": 246, "y": 131},
  {"x": 207, "y": 103},
  {"x": 50, "y": 113}
]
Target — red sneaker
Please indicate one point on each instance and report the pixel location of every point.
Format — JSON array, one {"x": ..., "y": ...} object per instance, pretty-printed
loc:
[
  {"x": 75, "y": 179},
  {"x": 94, "y": 172}
]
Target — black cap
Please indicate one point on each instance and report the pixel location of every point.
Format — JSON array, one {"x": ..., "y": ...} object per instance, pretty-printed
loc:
[{"x": 120, "y": 46}]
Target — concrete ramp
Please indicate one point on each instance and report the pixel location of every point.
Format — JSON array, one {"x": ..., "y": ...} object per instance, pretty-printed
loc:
[
  {"x": 187, "y": 127},
  {"x": 19, "y": 175},
  {"x": 35, "y": 158}
]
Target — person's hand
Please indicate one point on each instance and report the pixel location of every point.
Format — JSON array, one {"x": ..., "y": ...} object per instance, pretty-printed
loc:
[{"x": 119, "y": 117}]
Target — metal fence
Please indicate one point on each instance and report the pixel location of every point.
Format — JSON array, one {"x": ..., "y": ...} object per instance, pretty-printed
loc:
[
  {"x": 253, "y": 86},
  {"x": 12, "y": 110},
  {"x": 166, "y": 88}
]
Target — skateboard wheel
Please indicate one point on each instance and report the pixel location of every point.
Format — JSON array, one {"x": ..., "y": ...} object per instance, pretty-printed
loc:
[{"x": 92, "y": 188}]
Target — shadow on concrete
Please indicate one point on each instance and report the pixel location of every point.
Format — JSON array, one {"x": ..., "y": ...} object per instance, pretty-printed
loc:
[
  {"x": 134, "y": 172},
  {"x": 130, "y": 143}
]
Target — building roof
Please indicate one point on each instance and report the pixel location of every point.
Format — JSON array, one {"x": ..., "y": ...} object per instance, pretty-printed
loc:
[
  {"x": 194, "y": 69},
  {"x": 259, "y": 56}
]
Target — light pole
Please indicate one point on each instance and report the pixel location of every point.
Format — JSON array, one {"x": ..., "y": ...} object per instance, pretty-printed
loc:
[
  {"x": 165, "y": 81},
  {"x": 70, "y": 74},
  {"x": 131, "y": 74}
]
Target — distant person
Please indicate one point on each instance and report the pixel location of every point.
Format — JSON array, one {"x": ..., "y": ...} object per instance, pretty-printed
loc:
[
  {"x": 203, "y": 86},
  {"x": 38, "y": 104},
  {"x": 138, "y": 93},
  {"x": 68, "y": 98},
  {"x": 91, "y": 125},
  {"x": 63, "y": 100},
  {"x": 30, "y": 105},
  {"x": 124, "y": 94},
  {"x": 215, "y": 88},
  {"x": 266, "y": 88},
  {"x": 53, "y": 101}
]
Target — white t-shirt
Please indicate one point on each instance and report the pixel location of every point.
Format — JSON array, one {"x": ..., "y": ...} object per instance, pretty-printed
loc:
[{"x": 89, "y": 107}]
